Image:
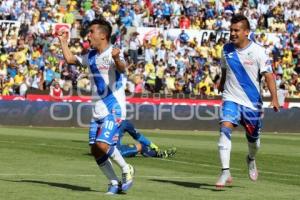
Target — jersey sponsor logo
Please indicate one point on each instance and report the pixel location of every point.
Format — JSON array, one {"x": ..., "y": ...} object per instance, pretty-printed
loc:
[
  {"x": 248, "y": 62},
  {"x": 106, "y": 134},
  {"x": 103, "y": 67}
]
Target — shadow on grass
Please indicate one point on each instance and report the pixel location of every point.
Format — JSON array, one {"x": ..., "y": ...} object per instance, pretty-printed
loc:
[
  {"x": 54, "y": 184},
  {"x": 87, "y": 154},
  {"x": 203, "y": 186}
]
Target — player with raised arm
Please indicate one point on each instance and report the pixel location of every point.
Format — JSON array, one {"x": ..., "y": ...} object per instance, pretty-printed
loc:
[
  {"x": 107, "y": 66},
  {"x": 144, "y": 145},
  {"x": 243, "y": 64}
]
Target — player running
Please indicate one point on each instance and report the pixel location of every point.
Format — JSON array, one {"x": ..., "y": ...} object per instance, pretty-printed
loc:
[{"x": 243, "y": 62}]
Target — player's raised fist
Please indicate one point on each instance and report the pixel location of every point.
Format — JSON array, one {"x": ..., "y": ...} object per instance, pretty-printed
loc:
[
  {"x": 115, "y": 53},
  {"x": 62, "y": 34}
]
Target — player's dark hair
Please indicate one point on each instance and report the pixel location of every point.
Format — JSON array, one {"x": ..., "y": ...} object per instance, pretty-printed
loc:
[
  {"x": 103, "y": 25},
  {"x": 240, "y": 18}
]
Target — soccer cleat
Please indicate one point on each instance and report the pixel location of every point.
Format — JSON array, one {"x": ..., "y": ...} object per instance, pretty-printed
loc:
[
  {"x": 162, "y": 154},
  {"x": 171, "y": 152},
  {"x": 166, "y": 153},
  {"x": 127, "y": 179},
  {"x": 154, "y": 146},
  {"x": 225, "y": 178},
  {"x": 113, "y": 189},
  {"x": 252, "y": 170}
]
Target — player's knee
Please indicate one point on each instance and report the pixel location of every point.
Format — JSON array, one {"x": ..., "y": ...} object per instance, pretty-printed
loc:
[
  {"x": 99, "y": 149},
  {"x": 253, "y": 135},
  {"x": 253, "y": 139},
  {"x": 226, "y": 131},
  {"x": 225, "y": 138}
]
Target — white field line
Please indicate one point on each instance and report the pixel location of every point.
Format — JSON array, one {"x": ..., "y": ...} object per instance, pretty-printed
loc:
[{"x": 169, "y": 160}]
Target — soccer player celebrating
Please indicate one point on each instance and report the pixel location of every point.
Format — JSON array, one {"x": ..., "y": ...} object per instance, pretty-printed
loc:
[
  {"x": 243, "y": 62},
  {"x": 144, "y": 147},
  {"x": 107, "y": 67}
]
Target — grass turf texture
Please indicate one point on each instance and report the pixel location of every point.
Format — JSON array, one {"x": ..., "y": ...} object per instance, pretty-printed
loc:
[{"x": 54, "y": 163}]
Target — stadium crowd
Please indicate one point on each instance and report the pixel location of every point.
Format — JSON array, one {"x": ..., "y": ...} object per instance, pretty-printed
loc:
[{"x": 31, "y": 58}]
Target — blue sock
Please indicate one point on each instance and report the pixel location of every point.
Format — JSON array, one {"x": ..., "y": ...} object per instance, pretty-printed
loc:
[
  {"x": 128, "y": 150},
  {"x": 143, "y": 140}
]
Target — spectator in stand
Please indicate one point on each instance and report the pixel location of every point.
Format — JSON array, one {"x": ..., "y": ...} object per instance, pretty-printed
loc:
[
  {"x": 49, "y": 75},
  {"x": 149, "y": 53},
  {"x": 56, "y": 93},
  {"x": 161, "y": 53},
  {"x": 134, "y": 45},
  {"x": 19, "y": 79},
  {"x": 167, "y": 10},
  {"x": 282, "y": 93},
  {"x": 184, "y": 37},
  {"x": 138, "y": 81},
  {"x": 282, "y": 20},
  {"x": 184, "y": 22},
  {"x": 69, "y": 17},
  {"x": 127, "y": 19}
]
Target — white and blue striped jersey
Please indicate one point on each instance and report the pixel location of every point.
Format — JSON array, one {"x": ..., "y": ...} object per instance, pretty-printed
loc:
[
  {"x": 243, "y": 69},
  {"x": 108, "y": 84}
]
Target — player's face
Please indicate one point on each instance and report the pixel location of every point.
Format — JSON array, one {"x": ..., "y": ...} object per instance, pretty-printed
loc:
[
  {"x": 238, "y": 33},
  {"x": 95, "y": 35}
]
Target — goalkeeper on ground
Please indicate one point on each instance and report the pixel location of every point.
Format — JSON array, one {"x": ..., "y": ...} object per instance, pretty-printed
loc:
[{"x": 145, "y": 147}]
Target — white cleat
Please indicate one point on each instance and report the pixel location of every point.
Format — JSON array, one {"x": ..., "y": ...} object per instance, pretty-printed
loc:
[
  {"x": 225, "y": 178},
  {"x": 127, "y": 179},
  {"x": 252, "y": 170}
]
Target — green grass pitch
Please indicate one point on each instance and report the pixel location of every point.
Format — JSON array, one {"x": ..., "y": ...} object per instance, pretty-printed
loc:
[{"x": 54, "y": 164}]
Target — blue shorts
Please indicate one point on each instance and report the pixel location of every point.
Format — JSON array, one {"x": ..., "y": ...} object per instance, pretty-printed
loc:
[
  {"x": 105, "y": 130},
  {"x": 237, "y": 114}
]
